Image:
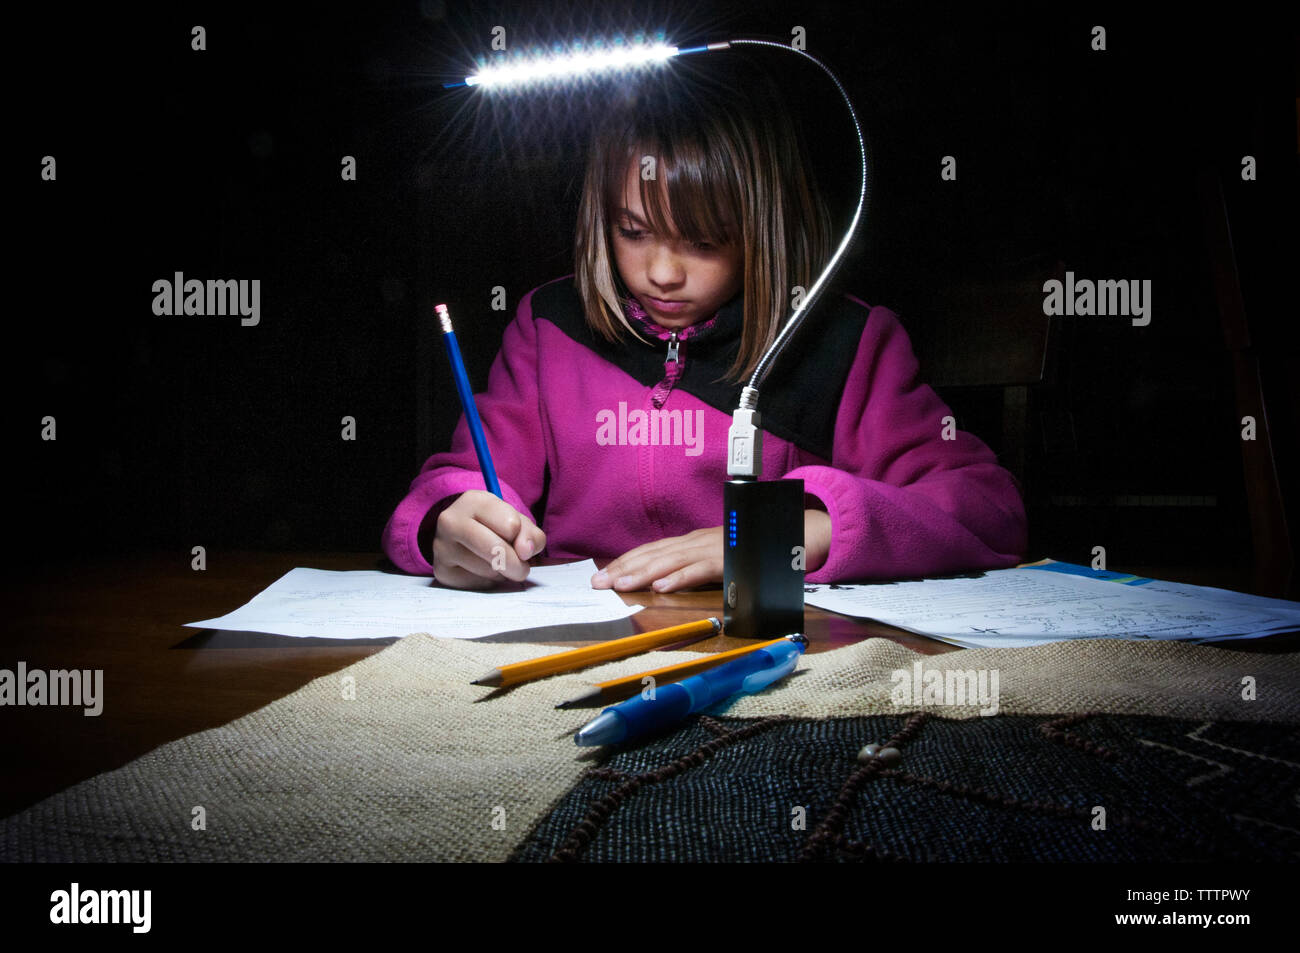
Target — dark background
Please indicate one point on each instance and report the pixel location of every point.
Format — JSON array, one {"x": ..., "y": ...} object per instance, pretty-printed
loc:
[{"x": 182, "y": 431}]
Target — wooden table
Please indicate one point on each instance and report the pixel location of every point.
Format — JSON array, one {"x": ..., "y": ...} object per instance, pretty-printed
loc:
[{"x": 125, "y": 615}]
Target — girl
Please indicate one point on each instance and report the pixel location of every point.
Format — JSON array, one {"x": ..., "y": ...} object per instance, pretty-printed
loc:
[{"x": 608, "y": 406}]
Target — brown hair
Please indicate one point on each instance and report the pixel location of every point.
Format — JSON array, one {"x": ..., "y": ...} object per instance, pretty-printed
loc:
[{"x": 725, "y": 149}]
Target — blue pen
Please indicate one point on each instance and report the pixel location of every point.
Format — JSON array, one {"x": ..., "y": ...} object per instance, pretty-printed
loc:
[
  {"x": 467, "y": 401},
  {"x": 671, "y": 703}
]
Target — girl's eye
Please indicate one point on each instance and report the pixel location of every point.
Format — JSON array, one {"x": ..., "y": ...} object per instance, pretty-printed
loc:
[{"x": 635, "y": 235}]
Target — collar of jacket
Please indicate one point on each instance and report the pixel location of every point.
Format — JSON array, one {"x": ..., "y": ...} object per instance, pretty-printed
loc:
[
  {"x": 724, "y": 327},
  {"x": 800, "y": 396}
]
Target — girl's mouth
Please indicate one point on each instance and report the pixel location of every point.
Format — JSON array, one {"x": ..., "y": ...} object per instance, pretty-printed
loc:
[{"x": 668, "y": 307}]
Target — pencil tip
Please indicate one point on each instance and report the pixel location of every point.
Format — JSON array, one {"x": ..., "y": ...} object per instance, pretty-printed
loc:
[{"x": 492, "y": 678}]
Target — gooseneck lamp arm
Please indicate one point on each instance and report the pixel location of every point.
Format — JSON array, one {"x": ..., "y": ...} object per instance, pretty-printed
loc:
[{"x": 744, "y": 439}]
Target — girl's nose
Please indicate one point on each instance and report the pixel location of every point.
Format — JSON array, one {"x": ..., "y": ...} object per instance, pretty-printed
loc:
[{"x": 664, "y": 268}]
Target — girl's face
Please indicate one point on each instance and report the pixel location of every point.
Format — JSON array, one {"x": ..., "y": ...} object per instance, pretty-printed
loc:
[{"x": 677, "y": 282}]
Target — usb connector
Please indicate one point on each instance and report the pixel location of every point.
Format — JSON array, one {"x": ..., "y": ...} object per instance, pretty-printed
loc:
[{"x": 745, "y": 445}]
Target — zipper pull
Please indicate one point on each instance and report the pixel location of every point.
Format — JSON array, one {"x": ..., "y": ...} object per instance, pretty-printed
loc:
[{"x": 672, "y": 349}]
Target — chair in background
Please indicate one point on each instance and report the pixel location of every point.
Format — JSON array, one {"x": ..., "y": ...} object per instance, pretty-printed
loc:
[
  {"x": 1015, "y": 354},
  {"x": 1271, "y": 536}
]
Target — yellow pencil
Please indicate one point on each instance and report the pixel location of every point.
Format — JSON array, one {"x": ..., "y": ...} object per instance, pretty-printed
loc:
[
  {"x": 580, "y": 658},
  {"x": 620, "y": 688}
]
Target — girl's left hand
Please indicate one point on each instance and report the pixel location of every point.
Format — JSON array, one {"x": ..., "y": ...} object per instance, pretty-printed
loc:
[
  {"x": 669, "y": 564},
  {"x": 695, "y": 559}
]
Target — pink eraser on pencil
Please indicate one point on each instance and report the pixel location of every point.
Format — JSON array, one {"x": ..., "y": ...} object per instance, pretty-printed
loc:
[{"x": 440, "y": 308}]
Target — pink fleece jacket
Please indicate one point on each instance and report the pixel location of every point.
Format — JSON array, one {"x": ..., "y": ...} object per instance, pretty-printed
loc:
[{"x": 903, "y": 501}]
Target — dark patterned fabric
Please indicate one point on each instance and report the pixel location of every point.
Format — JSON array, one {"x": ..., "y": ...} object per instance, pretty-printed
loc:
[{"x": 1006, "y": 788}]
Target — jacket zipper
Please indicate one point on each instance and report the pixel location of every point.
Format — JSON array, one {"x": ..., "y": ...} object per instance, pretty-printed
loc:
[
  {"x": 672, "y": 373},
  {"x": 657, "y": 396}
]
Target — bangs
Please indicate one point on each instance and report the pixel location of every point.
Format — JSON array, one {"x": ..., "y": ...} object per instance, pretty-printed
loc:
[{"x": 697, "y": 184}]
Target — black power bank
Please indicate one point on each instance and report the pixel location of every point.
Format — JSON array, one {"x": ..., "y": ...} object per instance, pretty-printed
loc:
[{"x": 763, "y": 558}]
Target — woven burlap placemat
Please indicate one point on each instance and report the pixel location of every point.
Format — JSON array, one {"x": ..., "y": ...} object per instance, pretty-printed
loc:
[{"x": 399, "y": 758}]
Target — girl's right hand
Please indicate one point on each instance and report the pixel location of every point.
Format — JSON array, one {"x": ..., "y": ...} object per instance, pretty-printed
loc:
[{"x": 482, "y": 539}]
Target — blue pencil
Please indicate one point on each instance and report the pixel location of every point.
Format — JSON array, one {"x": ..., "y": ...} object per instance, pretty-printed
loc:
[{"x": 467, "y": 401}]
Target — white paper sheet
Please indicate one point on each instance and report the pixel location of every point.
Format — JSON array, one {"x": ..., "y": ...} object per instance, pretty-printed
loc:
[
  {"x": 319, "y": 603},
  {"x": 1032, "y": 607}
]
